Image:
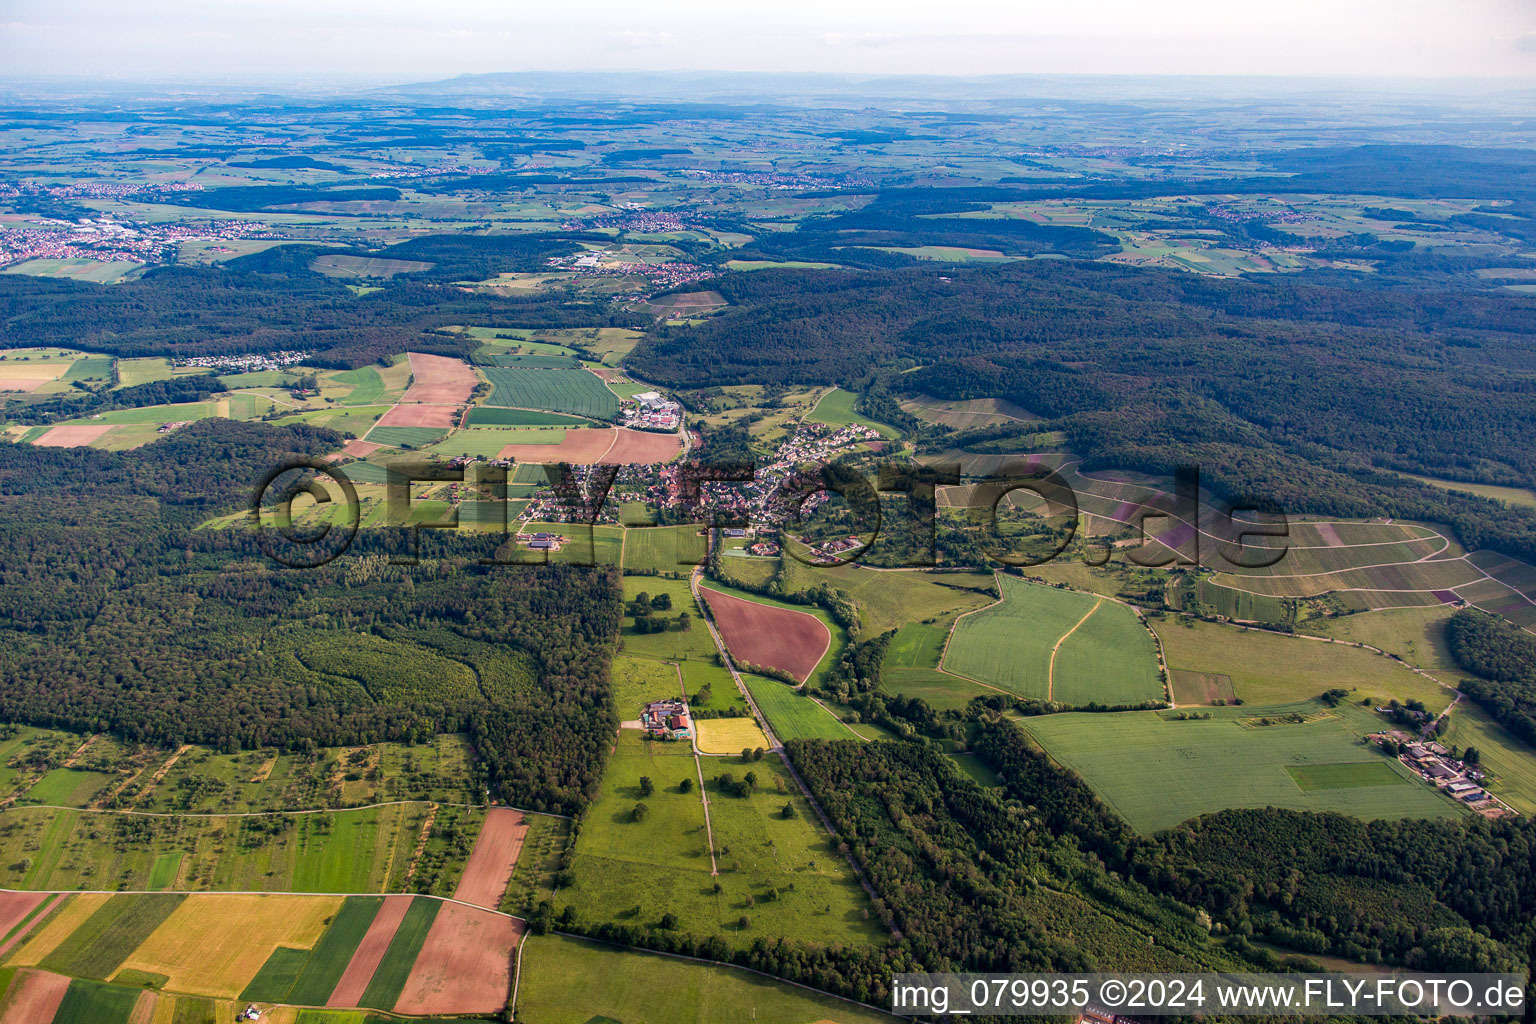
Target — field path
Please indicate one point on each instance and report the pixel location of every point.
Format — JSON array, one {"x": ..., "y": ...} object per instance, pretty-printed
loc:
[
  {"x": 1050, "y": 673},
  {"x": 698, "y": 766}
]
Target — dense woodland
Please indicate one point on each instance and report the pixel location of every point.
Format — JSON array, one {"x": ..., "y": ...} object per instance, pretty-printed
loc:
[
  {"x": 1305, "y": 390},
  {"x": 119, "y": 615},
  {"x": 1504, "y": 659}
]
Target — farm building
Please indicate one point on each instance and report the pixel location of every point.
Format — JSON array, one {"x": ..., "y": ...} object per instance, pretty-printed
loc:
[{"x": 667, "y": 719}]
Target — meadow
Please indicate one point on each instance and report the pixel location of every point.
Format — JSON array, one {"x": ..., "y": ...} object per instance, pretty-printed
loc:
[
  {"x": 836, "y": 409},
  {"x": 778, "y": 871},
  {"x": 664, "y": 549},
  {"x": 1273, "y": 668},
  {"x": 676, "y": 990},
  {"x": 571, "y": 391},
  {"x": 1157, "y": 771},
  {"x": 888, "y": 600}
]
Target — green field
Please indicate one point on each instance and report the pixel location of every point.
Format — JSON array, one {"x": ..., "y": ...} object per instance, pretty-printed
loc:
[
  {"x": 89, "y": 368},
  {"x": 1110, "y": 658},
  {"x": 777, "y": 871},
  {"x": 389, "y": 978},
  {"x": 79, "y": 269},
  {"x": 675, "y": 991},
  {"x": 486, "y": 442},
  {"x": 155, "y": 414},
  {"x": 573, "y": 391},
  {"x": 793, "y": 715},
  {"x": 366, "y": 384},
  {"x": 1272, "y": 668},
  {"x": 888, "y": 600},
  {"x": 330, "y": 956},
  {"x": 1157, "y": 771},
  {"x": 363, "y": 850},
  {"x": 91, "y": 1002},
  {"x": 399, "y": 437},
  {"x": 66, "y": 787},
  {"x": 97, "y": 947},
  {"x": 1009, "y": 644},
  {"x": 836, "y": 409},
  {"x": 910, "y": 669},
  {"x": 275, "y": 979},
  {"x": 664, "y": 549},
  {"x": 491, "y": 416},
  {"x": 1510, "y": 762}
]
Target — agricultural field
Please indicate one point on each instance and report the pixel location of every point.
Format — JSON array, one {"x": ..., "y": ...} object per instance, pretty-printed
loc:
[
  {"x": 911, "y": 668},
  {"x": 727, "y": 735},
  {"x": 888, "y": 600},
  {"x": 793, "y": 714},
  {"x": 1272, "y": 668},
  {"x": 965, "y": 415},
  {"x": 777, "y": 871},
  {"x": 773, "y": 635},
  {"x": 579, "y": 392},
  {"x": 664, "y": 549},
  {"x": 364, "y": 850},
  {"x": 681, "y": 990},
  {"x": 341, "y": 265},
  {"x": 836, "y": 410},
  {"x": 1054, "y": 644},
  {"x": 1157, "y": 771},
  {"x": 94, "y": 271}
]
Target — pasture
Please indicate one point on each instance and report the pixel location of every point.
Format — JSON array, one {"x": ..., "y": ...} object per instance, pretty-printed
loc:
[
  {"x": 678, "y": 990},
  {"x": 580, "y": 392},
  {"x": 888, "y": 600},
  {"x": 1157, "y": 771},
  {"x": 664, "y": 549}
]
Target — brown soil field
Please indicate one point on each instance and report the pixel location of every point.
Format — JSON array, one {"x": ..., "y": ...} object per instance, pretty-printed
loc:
[
  {"x": 465, "y": 966},
  {"x": 493, "y": 858},
  {"x": 420, "y": 416},
  {"x": 15, "y": 384},
  {"x": 12, "y": 918},
  {"x": 643, "y": 447},
  {"x": 71, "y": 437},
  {"x": 34, "y": 997},
  {"x": 144, "y": 1009},
  {"x": 16, "y": 905},
  {"x": 582, "y": 446},
  {"x": 439, "y": 379},
  {"x": 370, "y": 952},
  {"x": 360, "y": 449},
  {"x": 760, "y": 634}
]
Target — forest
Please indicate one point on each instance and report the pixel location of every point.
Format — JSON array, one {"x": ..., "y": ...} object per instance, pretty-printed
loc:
[
  {"x": 1503, "y": 658},
  {"x": 120, "y": 616},
  {"x": 1297, "y": 390}
]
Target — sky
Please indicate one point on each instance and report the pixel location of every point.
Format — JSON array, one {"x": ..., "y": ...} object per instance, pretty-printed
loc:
[{"x": 396, "y": 41}]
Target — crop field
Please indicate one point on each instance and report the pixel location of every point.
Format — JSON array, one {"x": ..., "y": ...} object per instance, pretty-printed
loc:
[
  {"x": 836, "y": 409},
  {"x": 771, "y": 635},
  {"x": 366, "y": 384},
  {"x": 106, "y": 938},
  {"x": 340, "y": 265},
  {"x": 965, "y": 415},
  {"x": 1201, "y": 687},
  {"x": 794, "y": 715},
  {"x": 465, "y": 964},
  {"x": 405, "y": 437},
  {"x": 148, "y": 369},
  {"x": 632, "y": 871},
  {"x": 1010, "y": 644},
  {"x": 492, "y": 416},
  {"x": 364, "y": 850},
  {"x": 215, "y": 944},
  {"x": 677, "y": 990},
  {"x": 1156, "y": 771},
  {"x": 888, "y": 600},
  {"x": 728, "y": 735},
  {"x": 1110, "y": 658},
  {"x": 911, "y": 668},
  {"x": 664, "y": 549},
  {"x": 1271, "y": 668},
  {"x": 571, "y": 391},
  {"x": 75, "y": 269}
]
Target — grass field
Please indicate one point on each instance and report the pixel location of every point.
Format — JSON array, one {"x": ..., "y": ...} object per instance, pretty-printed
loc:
[
  {"x": 91, "y": 1002},
  {"x": 677, "y": 990},
  {"x": 1110, "y": 658},
  {"x": 400, "y": 437},
  {"x": 1271, "y": 668},
  {"x": 78, "y": 269},
  {"x": 778, "y": 871},
  {"x": 366, "y": 384},
  {"x": 571, "y": 391},
  {"x": 330, "y": 956},
  {"x": 888, "y": 600},
  {"x": 911, "y": 668},
  {"x": 148, "y": 369},
  {"x": 836, "y": 409},
  {"x": 485, "y": 442},
  {"x": 793, "y": 715},
  {"x": 1157, "y": 771},
  {"x": 664, "y": 549},
  {"x": 109, "y": 936},
  {"x": 1510, "y": 761}
]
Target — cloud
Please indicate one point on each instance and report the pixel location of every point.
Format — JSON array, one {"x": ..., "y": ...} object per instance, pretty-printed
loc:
[
  {"x": 641, "y": 38},
  {"x": 1526, "y": 43}
]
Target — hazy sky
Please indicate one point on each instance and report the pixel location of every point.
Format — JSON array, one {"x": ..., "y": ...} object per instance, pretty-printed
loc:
[{"x": 395, "y": 40}]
